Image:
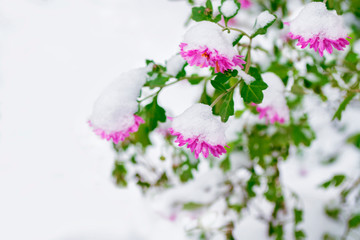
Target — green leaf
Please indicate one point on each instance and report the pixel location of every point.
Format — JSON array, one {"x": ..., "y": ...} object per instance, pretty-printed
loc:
[
  {"x": 302, "y": 135},
  {"x": 225, "y": 164},
  {"x": 355, "y": 139},
  {"x": 192, "y": 206},
  {"x": 217, "y": 85},
  {"x": 259, "y": 29},
  {"x": 237, "y": 39},
  {"x": 328, "y": 236},
  {"x": 299, "y": 234},
  {"x": 298, "y": 216},
  {"x": 333, "y": 212},
  {"x": 253, "y": 92},
  {"x": 236, "y": 12},
  {"x": 354, "y": 221},
  {"x": 154, "y": 114},
  {"x": 208, "y": 4},
  {"x": 205, "y": 98},
  {"x": 217, "y": 18},
  {"x": 227, "y": 107},
  {"x": 343, "y": 105},
  {"x": 119, "y": 173},
  {"x": 201, "y": 14},
  {"x": 336, "y": 181},
  {"x": 158, "y": 81},
  {"x": 142, "y": 135},
  {"x": 195, "y": 79}
]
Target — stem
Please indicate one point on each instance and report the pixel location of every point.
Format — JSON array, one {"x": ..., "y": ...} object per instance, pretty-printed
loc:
[
  {"x": 247, "y": 67},
  {"x": 234, "y": 29},
  {"x": 150, "y": 96},
  {"x": 248, "y": 57},
  {"x": 223, "y": 94}
]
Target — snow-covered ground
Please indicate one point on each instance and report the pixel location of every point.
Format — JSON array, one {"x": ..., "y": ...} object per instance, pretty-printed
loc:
[{"x": 56, "y": 57}]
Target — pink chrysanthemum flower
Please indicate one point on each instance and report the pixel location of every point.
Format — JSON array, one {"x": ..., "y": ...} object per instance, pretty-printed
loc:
[
  {"x": 200, "y": 130},
  {"x": 113, "y": 113},
  {"x": 319, "y": 28},
  {"x": 119, "y": 135},
  {"x": 245, "y": 3},
  {"x": 273, "y": 107},
  {"x": 205, "y": 44}
]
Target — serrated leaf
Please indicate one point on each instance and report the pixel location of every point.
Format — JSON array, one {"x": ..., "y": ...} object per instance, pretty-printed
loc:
[
  {"x": 142, "y": 136},
  {"x": 253, "y": 91},
  {"x": 227, "y": 107},
  {"x": 159, "y": 81},
  {"x": 154, "y": 114},
  {"x": 217, "y": 85},
  {"x": 343, "y": 105}
]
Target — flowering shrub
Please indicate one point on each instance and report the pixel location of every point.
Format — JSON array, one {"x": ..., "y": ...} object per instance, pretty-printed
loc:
[{"x": 258, "y": 98}]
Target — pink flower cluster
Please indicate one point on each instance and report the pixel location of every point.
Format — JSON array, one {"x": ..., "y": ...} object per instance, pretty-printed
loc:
[
  {"x": 269, "y": 114},
  {"x": 321, "y": 44},
  {"x": 118, "y": 136},
  {"x": 198, "y": 146},
  {"x": 205, "y": 57},
  {"x": 245, "y": 3}
]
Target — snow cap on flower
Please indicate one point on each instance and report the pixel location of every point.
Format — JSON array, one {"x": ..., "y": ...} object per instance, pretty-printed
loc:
[
  {"x": 200, "y": 130},
  {"x": 205, "y": 44},
  {"x": 113, "y": 112},
  {"x": 273, "y": 107},
  {"x": 320, "y": 28}
]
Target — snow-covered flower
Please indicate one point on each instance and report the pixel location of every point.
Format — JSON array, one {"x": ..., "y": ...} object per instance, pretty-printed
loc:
[
  {"x": 273, "y": 107},
  {"x": 113, "y": 112},
  {"x": 320, "y": 28},
  {"x": 205, "y": 44},
  {"x": 200, "y": 130},
  {"x": 245, "y": 3}
]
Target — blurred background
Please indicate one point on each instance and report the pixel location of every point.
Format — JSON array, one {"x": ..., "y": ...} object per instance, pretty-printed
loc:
[{"x": 56, "y": 58}]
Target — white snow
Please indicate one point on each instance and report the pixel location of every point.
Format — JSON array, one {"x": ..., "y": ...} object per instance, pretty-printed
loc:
[
  {"x": 229, "y": 8},
  {"x": 263, "y": 19},
  {"x": 315, "y": 20},
  {"x": 210, "y": 35},
  {"x": 174, "y": 65},
  {"x": 246, "y": 77},
  {"x": 274, "y": 96},
  {"x": 114, "y": 109},
  {"x": 198, "y": 120}
]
